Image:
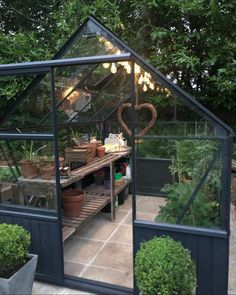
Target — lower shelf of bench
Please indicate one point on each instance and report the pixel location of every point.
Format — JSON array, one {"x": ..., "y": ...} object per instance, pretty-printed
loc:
[
  {"x": 97, "y": 197},
  {"x": 92, "y": 205}
]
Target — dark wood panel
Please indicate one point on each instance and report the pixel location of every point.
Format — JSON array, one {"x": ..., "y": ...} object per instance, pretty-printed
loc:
[{"x": 44, "y": 242}]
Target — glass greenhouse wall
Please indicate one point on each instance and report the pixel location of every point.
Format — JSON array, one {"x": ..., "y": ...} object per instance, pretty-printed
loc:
[{"x": 179, "y": 153}]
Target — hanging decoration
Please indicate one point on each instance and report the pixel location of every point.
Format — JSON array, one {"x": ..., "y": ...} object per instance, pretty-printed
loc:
[{"x": 138, "y": 107}]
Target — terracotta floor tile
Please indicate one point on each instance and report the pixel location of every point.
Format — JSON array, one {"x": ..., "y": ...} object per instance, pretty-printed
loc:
[
  {"x": 80, "y": 250},
  {"x": 115, "y": 255},
  {"x": 111, "y": 276}
]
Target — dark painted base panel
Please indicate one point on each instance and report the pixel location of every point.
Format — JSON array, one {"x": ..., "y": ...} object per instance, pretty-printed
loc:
[{"x": 208, "y": 249}]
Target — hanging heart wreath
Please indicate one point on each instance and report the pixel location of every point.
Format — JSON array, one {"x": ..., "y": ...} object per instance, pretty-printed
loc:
[{"x": 139, "y": 107}]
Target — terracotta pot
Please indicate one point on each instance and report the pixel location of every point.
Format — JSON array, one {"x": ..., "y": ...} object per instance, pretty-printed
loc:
[
  {"x": 29, "y": 169},
  {"x": 93, "y": 146},
  {"x": 101, "y": 151},
  {"x": 47, "y": 172},
  {"x": 72, "y": 201}
]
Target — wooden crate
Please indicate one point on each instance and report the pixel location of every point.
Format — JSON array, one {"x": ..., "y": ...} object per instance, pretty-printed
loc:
[{"x": 78, "y": 155}]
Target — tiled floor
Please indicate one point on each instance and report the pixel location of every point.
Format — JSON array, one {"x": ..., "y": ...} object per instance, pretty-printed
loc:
[{"x": 102, "y": 250}]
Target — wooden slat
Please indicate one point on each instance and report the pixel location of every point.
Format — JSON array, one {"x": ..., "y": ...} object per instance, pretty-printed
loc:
[{"x": 67, "y": 231}]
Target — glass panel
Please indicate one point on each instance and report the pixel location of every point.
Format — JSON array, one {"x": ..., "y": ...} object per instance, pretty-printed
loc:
[
  {"x": 27, "y": 173},
  {"x": 183, "y": 183},
  {"x": 91, "y": 40},
  {"x": 90, "y": 93},
  {"x": 163, "y": 113},
  {"x": 31, "y": 104}
]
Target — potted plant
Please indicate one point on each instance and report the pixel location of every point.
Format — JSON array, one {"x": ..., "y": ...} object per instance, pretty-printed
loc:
[
  {"x": 17, "y": 266},
  {"x": 29, "y": 162},
  {"x": 163, "y": 266}
]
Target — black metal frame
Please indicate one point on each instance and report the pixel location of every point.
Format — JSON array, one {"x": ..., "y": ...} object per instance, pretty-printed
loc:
[{"x": 222, "y": 132}]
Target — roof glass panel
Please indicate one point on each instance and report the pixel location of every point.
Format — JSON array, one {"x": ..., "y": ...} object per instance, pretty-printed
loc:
[
  {"x": 91, "y": 40},
  {"x": 90, "y": 93}
]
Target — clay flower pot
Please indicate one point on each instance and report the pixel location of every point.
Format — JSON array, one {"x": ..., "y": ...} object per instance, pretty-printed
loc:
[
  {"x": 101, "y": 151},
  {"x": 29, "y": 169},
  {"x": 47, "y": 172},
  {"x": 72, "y": 201},
  {"x": 93, "y": 146}
]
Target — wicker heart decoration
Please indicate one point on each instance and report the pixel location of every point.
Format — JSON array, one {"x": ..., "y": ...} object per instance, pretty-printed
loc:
[{"x": 139, "y": 107}]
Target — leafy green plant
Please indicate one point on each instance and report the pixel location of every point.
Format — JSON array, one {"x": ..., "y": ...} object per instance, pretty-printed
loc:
[
  {"x": 29, "y": 153},
  {"x": 5, "y": 174},
  {"x": 189, "y": 165},
  {"x": 14, "y": 243},
  {"x": 163, "y": 266},
  {"x": 203, "y": 212}
]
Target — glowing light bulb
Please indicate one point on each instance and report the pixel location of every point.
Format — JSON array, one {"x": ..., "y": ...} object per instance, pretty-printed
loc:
[
  {"x": 162, "y": 90},
  {"x": 168, "y": 94},
  {"x": 140, "y": 80},
  {"x": 166, "y": 90},
  {"x": 128, "y": 69},
  {"x": 158, "y": 88},
  {"x": 145, "y": 87},
  {"x": 113, "y": 68},
  {"x": 106, "y": 65},
  {"x": 137, "y": 69},
  {"x": 151, "y": 85}
]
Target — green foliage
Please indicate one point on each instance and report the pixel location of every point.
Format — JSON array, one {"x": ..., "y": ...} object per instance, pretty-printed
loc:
[
  {"x": 190, "y": 164},
  {"x": 5, "y": 174},
  {"x": 29, "y": 152},
  {"x": 164, "y": 266},
  {"x": 193, "y": 42},
  {"x": 14, "y": 243}
]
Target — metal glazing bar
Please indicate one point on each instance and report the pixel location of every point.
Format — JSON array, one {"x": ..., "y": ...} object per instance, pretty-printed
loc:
[
  {"x": 56, "y": 162},
  {"x": 176, "y": 137},
  {"x": 19, "y": 136},
  {"x": 197, "y": 188},
  {"x": 133, "y": 128},
  {"x": 16, "y": 67}
]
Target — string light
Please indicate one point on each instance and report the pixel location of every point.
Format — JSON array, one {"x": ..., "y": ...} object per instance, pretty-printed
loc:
[
  {"x": 145, "y": 87},
  {"x": 158, "y": 88},
  {"x": 128, "y": 68},
  {"x": 113, "y": 68},
  {"x": 106, "y": 65},
  {"x": 140, "y": 80},
  {"x": 151, "y": 85}
]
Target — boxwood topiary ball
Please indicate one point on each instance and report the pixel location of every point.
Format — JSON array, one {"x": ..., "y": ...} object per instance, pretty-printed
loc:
[
  {"x": 163, "y": 266},
  {"x": 14, "y": 244}
]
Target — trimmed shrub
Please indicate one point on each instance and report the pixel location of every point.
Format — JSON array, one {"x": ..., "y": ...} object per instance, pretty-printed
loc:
[
  {"x": 163, "y": 266},
  {"x": 14, "y": 244}
]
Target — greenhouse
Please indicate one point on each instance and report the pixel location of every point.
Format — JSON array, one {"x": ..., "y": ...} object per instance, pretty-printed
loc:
[{"x": 99, "y": 152}]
